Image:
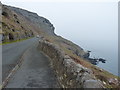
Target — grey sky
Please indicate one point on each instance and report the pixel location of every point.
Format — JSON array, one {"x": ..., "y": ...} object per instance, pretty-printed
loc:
[{"x": 85, "y": 21}]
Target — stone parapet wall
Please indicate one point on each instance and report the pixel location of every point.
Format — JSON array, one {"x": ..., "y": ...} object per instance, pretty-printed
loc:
[{"x": 69, "y": 73}]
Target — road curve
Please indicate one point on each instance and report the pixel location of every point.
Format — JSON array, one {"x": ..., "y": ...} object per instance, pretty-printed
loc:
[
  {"x": 35, "y": 71},
  {"x": 11, "y": 53}
]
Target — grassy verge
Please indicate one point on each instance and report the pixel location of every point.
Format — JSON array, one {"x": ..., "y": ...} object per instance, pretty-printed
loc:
[{"x": 14, "y": 41}]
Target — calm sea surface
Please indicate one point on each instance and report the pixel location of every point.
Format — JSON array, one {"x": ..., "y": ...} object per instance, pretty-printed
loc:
[{"x": 102, "y": 49}]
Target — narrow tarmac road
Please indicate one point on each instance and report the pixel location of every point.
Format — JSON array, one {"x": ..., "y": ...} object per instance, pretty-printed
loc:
[
  {"x": 35, "y": 72},
  {"x": 11, "y": 53}
]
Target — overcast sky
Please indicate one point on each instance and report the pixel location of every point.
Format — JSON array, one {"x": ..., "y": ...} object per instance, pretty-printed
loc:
[{"x": 95, "y": 20}]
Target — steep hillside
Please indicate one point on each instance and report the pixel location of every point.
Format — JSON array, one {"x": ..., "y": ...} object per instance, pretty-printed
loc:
[
  {"x": 13, "y": 26},
  {"x": 18, "y": 24},
  {"x": 42, "y": 24}
]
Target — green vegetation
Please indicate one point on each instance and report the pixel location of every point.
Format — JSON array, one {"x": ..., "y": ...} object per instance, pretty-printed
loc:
[
  {"x": 14, "y": 27},
  {"x": 14, "y": 41}
]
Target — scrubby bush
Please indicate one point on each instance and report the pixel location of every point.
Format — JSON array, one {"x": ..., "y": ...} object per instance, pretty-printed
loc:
[{"x": 5, "y": 14}]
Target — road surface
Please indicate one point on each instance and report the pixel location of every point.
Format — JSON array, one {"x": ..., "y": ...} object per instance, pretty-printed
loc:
[
  {"x": 35, "y": 72},
  {"x": 11, "y": 53}
]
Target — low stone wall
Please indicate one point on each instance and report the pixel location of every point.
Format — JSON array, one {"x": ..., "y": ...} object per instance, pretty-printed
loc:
[{"x": 69, "y": 73}]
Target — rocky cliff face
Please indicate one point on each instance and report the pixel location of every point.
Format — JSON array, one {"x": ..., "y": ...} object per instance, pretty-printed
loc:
[
  {"x": 12, "y": 26},
  {"x": 40, "y": 22},
  {"x": 19, "y": 24}
]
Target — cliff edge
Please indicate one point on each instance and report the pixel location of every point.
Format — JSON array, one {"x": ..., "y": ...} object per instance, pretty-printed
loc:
[{"x": 19, "y": 24}]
